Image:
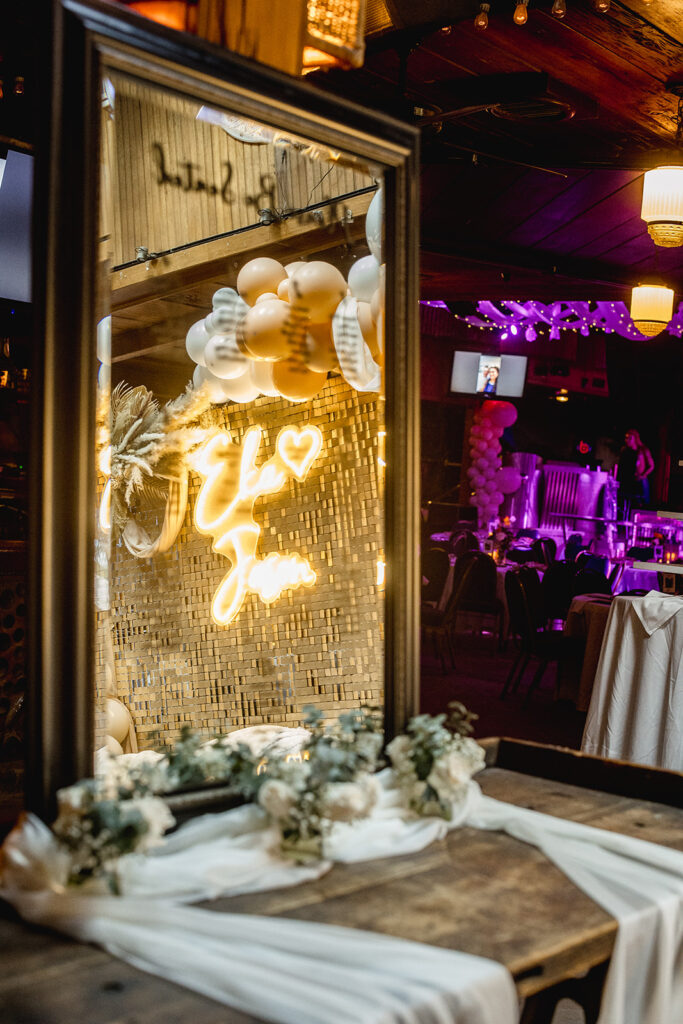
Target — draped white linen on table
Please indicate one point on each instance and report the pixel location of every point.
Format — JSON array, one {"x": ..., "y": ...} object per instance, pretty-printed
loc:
[
  {"x": 636, "y": 707},
  {"x": 291, "y": 971}
]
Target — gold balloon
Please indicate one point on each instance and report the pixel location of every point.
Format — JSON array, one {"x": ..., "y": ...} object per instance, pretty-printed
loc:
[
  {"x": 271, "y": 331},
  {"x": 258, "y": 276},
  {"x": 321, "y": 355},
  {"x": 267, "y": 295},
  {"x": 368, "y": 328},
  {"x": 295, "y": 381},
  {"x": 317, "y": 288},
  {"x": 283, "y": 290}
]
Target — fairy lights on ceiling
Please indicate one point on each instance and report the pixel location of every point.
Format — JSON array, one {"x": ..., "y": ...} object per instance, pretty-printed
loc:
[
  {"x": 517, "y": 320},
  {"x": 558, "y": 9}
]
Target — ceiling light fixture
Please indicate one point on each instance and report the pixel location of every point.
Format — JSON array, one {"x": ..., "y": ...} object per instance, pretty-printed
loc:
[
  {"x": 651, "y": 308},
  {"x": 662, "y": 207}
]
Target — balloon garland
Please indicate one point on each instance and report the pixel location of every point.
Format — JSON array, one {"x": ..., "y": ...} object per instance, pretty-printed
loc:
[
  {"x": 489, "y": 479},
  {"x": 286, "y": 327}
]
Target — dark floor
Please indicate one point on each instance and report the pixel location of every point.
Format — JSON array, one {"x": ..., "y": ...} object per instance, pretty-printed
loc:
[{"x": 477, "y": 681}]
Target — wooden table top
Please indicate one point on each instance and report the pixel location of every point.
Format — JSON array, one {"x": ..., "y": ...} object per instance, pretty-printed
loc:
[{"x": 480, "y": 892}]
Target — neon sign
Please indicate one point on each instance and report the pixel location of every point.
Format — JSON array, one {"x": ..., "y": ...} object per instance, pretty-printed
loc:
[{"x": 225, "y": 511}]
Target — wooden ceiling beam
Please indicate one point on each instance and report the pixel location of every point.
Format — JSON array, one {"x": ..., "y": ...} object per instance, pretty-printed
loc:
[{"x": 158, "y": 277}]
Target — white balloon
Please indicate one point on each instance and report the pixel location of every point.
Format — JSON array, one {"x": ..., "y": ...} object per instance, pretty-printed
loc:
[
  {"x": 261, "y": 373},
  {"x": 225, "y": 318},
  {"x": 104, "y": 377},
  {"x": 355, "y": 359},
  {"x": 373, "y": 224},
  {"x": 195, "y": 342},
  {"x": 224, "y": 297},
  {"x": 364, "y": 278},
  {"x": 214, "y": 386},
  {"x": 242, "y": 389},
  {"x": 104, "y": 340},
  {"x": 224, "y": 358}
]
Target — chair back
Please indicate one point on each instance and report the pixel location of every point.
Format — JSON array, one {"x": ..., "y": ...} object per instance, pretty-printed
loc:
[
  {"x": 533, "y": 593},
  {"x": 587, "y": 560},
  {"x": 588, "y": 581},
  {"x": 435, "y": 565},
  {"x": 463, "y": 541},
  {"x": 543, "y": 551},
  {"x": 521, "y": 622},
  {"x": 573, "y": 546},
  {"x": 556, "y": 588},
  {"x": 481, "y": 578}
]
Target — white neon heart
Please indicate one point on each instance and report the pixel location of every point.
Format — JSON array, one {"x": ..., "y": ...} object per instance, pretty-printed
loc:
[{"x": 299, "y": 449}]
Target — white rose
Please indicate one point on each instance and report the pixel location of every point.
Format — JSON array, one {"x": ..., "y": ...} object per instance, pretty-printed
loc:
[
  {"x": 368, "y": 744},
  {"x": 449, "y": 774},
  {"x": 473, "y": 754},
  {"x": 399, "y": 750},
  {"x": 70, "y": 801},
  {"x": 158, "y": 818},
  {"x": 211, "y": 759},
  {"x": 348, "y": 801},
  {"x": 277, "y": 798}
]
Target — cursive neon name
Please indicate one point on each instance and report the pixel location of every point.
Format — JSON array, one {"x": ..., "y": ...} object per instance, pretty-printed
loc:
[{"x": 225, "y": 511}]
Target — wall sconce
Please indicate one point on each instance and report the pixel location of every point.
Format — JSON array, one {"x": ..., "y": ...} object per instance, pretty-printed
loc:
[
  {"x": 652, "y": 307},
  {"x": 662, "y": 207}
]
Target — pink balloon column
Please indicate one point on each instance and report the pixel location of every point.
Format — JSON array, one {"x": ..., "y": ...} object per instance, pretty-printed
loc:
[{"x": 488, "y": 478}]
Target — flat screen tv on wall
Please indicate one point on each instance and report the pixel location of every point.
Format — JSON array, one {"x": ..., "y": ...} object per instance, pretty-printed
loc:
[{"x": 488, "y": 375}]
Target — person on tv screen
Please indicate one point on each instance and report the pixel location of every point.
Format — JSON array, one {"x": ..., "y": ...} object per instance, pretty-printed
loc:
[{"x": 490, "y": 380}]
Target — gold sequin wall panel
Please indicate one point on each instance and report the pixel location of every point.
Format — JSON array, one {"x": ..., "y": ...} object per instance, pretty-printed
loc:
[{"x": 319, "y": 645}]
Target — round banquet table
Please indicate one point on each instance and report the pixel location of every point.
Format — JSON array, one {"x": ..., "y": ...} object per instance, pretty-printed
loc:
[
  {"x": 636, "y": 709},
  {"x": 586, "y": 620}
]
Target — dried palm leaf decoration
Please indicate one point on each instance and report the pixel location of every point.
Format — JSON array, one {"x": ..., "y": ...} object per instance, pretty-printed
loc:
[{"x": 149, "y": 449}]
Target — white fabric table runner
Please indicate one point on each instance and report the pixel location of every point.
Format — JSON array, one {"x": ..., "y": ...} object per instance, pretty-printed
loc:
[
  {"x": 297, "y": 972},
  {"x": 636, "y": 709}
]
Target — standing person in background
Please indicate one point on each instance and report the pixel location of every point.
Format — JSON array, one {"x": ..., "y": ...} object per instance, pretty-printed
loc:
[{"x": 633, "y": 468}]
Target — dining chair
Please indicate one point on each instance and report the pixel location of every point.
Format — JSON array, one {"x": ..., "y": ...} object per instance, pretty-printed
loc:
[
  {"x": 439, "y": 626},
  {"x": 463, "y": 542},
  {"x": 435, "y": 566},
  {"x": 544, "y": 645},
  {"x": 590, "y": 581},
  {"x": 479, "y": 595},
  {"x": 556, "y": 587}
]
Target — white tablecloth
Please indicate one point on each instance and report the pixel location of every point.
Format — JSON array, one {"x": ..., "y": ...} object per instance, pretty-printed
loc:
[{"x": 636, "y": 710}]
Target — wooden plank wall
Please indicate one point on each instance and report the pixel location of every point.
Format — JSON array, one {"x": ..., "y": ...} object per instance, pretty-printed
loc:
[{"x": 161, "y": 203}]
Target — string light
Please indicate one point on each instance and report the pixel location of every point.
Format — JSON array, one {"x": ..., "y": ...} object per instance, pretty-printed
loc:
[
  {"x": 601, "y": 6},
  {"x": 520, "y": 14},
  {"x": 481, "y": 21},
  {"x": 559, "y": 8}
]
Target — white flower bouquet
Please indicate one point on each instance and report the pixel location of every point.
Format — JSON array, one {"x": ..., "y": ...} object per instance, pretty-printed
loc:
[
  {"x": 434, "y": 760},
  {"x": 333, "y": 781}
]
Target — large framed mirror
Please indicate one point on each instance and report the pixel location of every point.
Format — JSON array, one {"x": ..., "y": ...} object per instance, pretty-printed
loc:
[{"x": 229, "y": 433}]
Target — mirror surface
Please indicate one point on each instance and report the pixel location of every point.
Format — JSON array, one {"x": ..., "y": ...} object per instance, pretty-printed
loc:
[{"x": 239, "y": 551}]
